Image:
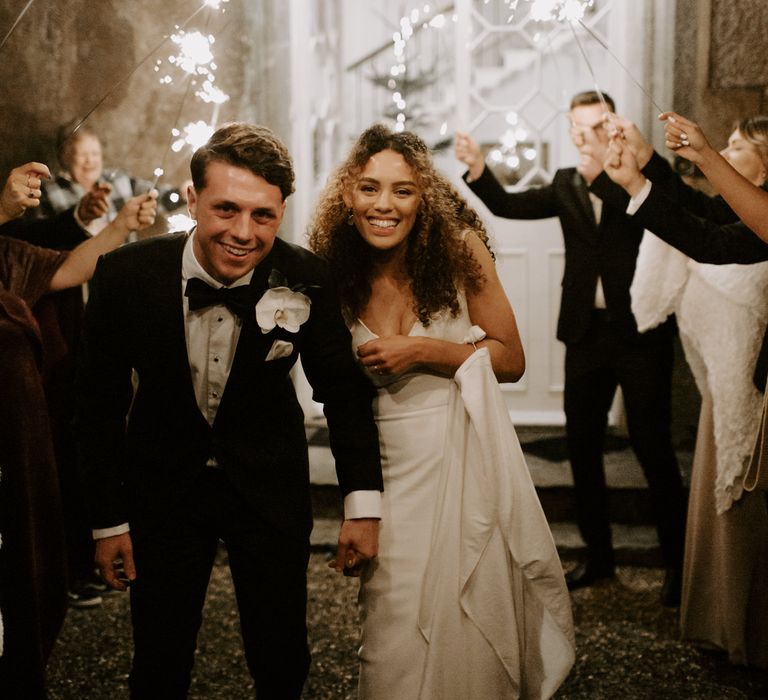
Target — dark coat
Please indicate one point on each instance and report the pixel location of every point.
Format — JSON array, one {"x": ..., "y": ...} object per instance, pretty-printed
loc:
[
  {"x": 134, "y": 321},
  {"x": 607, "y": 250}
]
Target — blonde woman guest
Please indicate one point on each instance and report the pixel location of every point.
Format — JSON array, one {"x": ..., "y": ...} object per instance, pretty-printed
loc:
[{"x": 722, "y": 312}]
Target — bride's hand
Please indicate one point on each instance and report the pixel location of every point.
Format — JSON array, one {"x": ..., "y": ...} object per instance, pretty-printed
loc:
[{"x": 394, "y": 354}]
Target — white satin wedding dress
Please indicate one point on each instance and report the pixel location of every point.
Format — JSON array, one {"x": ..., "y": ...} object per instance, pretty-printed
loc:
[{"x": 466, "y": 599}]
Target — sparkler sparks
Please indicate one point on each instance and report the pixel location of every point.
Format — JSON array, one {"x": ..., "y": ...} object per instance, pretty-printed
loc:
[
  {"x": 195, "y": 134},
  {"x": 553, "y": 10},
  {"x": 195, "y": 58},
  {"x": 194, "y": 52}
]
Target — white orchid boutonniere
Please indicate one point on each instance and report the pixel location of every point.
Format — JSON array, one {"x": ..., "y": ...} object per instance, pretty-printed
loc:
[{"x": 282, "y": 306}]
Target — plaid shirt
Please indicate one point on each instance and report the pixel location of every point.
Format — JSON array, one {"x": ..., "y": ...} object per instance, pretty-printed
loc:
[{"x": 62, "y": 193}]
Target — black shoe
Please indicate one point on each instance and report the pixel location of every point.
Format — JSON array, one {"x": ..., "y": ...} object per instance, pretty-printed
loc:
[
  {"x": 587, "y": 573},
  {"x": 671, "y": 588}
]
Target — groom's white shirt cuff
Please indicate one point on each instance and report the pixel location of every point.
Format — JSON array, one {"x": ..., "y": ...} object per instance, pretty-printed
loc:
[
  {"x": 637, "y": 201},
  {"x": 101, "y": 533},
  {"x": 362, "y": 504}
]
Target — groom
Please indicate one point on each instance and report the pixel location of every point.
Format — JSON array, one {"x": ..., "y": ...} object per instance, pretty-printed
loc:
[{"x": 212, "y": 444}]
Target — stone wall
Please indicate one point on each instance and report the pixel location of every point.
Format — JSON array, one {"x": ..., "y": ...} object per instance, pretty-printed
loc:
[
  {"x": 719, "y": 69},
  {"x": 720, "y": 76},
  {"x": 66, "y": 55}
]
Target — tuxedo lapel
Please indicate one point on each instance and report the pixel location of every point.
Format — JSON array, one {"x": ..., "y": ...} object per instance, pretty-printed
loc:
[
  {"x": 168, "y": 312},
  {"x": 252, "y": 344}
]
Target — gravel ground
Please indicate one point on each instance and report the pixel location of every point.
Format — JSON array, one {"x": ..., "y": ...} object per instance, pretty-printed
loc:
[{"x": 628, "y": 646}]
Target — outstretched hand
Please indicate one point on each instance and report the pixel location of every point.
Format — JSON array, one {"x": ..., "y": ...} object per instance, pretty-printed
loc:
[
  {"x": 685, "y": 137},
  {"x": 138, "y": 212},
  {"x": 468, "y": 152},
  {"x": 358, "y": 545},
  {"x": 621, "y": 166},
  {"x": 22, "y": 190},
  {"x": 627, "y": 131},
  {"x": 94, "y": 203}
]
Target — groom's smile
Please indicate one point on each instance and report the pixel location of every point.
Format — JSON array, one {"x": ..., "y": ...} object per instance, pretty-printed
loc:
[{"x": 238, "y": 216}]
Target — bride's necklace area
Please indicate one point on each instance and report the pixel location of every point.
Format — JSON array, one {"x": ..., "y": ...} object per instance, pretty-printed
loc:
[{"x": 390, "y": 308}]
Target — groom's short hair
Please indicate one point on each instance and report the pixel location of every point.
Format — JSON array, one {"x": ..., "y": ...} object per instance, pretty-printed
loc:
[
  {"x": 592, "y": 97},
  {"x": 249, "y": 146}
]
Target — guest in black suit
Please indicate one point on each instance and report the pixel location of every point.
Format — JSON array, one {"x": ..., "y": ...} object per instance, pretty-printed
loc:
[
  {"x": 603, "y": 348},
  {"x": 214, "y": 444}
]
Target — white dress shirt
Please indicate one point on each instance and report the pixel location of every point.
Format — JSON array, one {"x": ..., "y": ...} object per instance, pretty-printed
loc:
[
  {"x": 637, "y": 201},
  {"x": 211, "y": 335}
]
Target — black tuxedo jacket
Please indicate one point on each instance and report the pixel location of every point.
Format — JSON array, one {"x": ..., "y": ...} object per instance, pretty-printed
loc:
[
  {"x": 705, "y": 228},
  {"x": 139, "y": 453},
  {"x": 607, "y": 250},
  {"x": 708, "y": 233},
  {"x": 60, "y": 232}
]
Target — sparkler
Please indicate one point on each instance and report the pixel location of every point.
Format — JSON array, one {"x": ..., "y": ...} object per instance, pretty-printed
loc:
[
  {"x": 195, "y": 58},
  {"x": 215, "y": 4},
  {"x": 196, "y": 134},
  {"x": 573, "y": 12},
  {"x": 626, "y": 70},
  {"x": 160, "y": 170},
  {"x": 599, "y": 92},
  {"x": 16, "y": 21}
]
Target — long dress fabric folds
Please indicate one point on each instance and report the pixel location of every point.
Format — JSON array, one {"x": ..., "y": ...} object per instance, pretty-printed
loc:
[
  {"x": 721, "y": 313},
  {"x": 32, "y": 566},
  {"x": 467, "y": 598}
]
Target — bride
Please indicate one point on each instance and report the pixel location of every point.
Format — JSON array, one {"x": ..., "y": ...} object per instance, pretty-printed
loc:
[{"x": 467, "y": 597}]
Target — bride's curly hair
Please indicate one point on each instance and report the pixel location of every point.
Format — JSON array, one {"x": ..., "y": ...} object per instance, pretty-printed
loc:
[{"x": 438, "y": 260}]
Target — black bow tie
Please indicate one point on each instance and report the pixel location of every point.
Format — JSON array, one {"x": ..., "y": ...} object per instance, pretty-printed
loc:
[{"x": 238, "y": 299}]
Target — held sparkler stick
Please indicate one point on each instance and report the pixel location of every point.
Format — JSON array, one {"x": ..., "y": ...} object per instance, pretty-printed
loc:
[
  {"x": 17, "y": 20},
  {"x": 158, "y": 172},
  {"x": 626, "y": 70},
  {"x": 599, "y": 92},
  {"x": 136, "y": 67}
]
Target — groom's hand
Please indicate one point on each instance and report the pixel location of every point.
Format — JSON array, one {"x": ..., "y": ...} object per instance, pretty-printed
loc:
[
  {"x": 114, "y": 557},
  {"x": 358, "y": 544}
]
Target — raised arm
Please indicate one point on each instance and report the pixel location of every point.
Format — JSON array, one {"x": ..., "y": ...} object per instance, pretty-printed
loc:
[
  {"x": 22, "y": 190},
  {"x": 661, "y": 173},
  {"x": 748, "y": 201},
  {"x": 700, "y": 239},
  {"x": 533, "y": 203},
  {"x": 138, "y": 213}
]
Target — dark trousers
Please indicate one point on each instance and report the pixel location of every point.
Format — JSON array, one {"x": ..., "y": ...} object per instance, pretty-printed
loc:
[
  {"x": 173, "y": 568},
  {"x": 594, "y": 367}
]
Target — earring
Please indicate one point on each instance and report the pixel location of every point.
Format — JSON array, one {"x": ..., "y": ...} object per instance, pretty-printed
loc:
[{"x": 350, "y": 218}]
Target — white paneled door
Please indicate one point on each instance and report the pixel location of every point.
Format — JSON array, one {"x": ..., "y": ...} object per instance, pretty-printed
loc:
[{"x": 514, "y": 81}]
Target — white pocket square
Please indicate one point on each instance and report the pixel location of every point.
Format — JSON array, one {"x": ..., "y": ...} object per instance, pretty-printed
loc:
[{"x": 279, "y": 349}]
